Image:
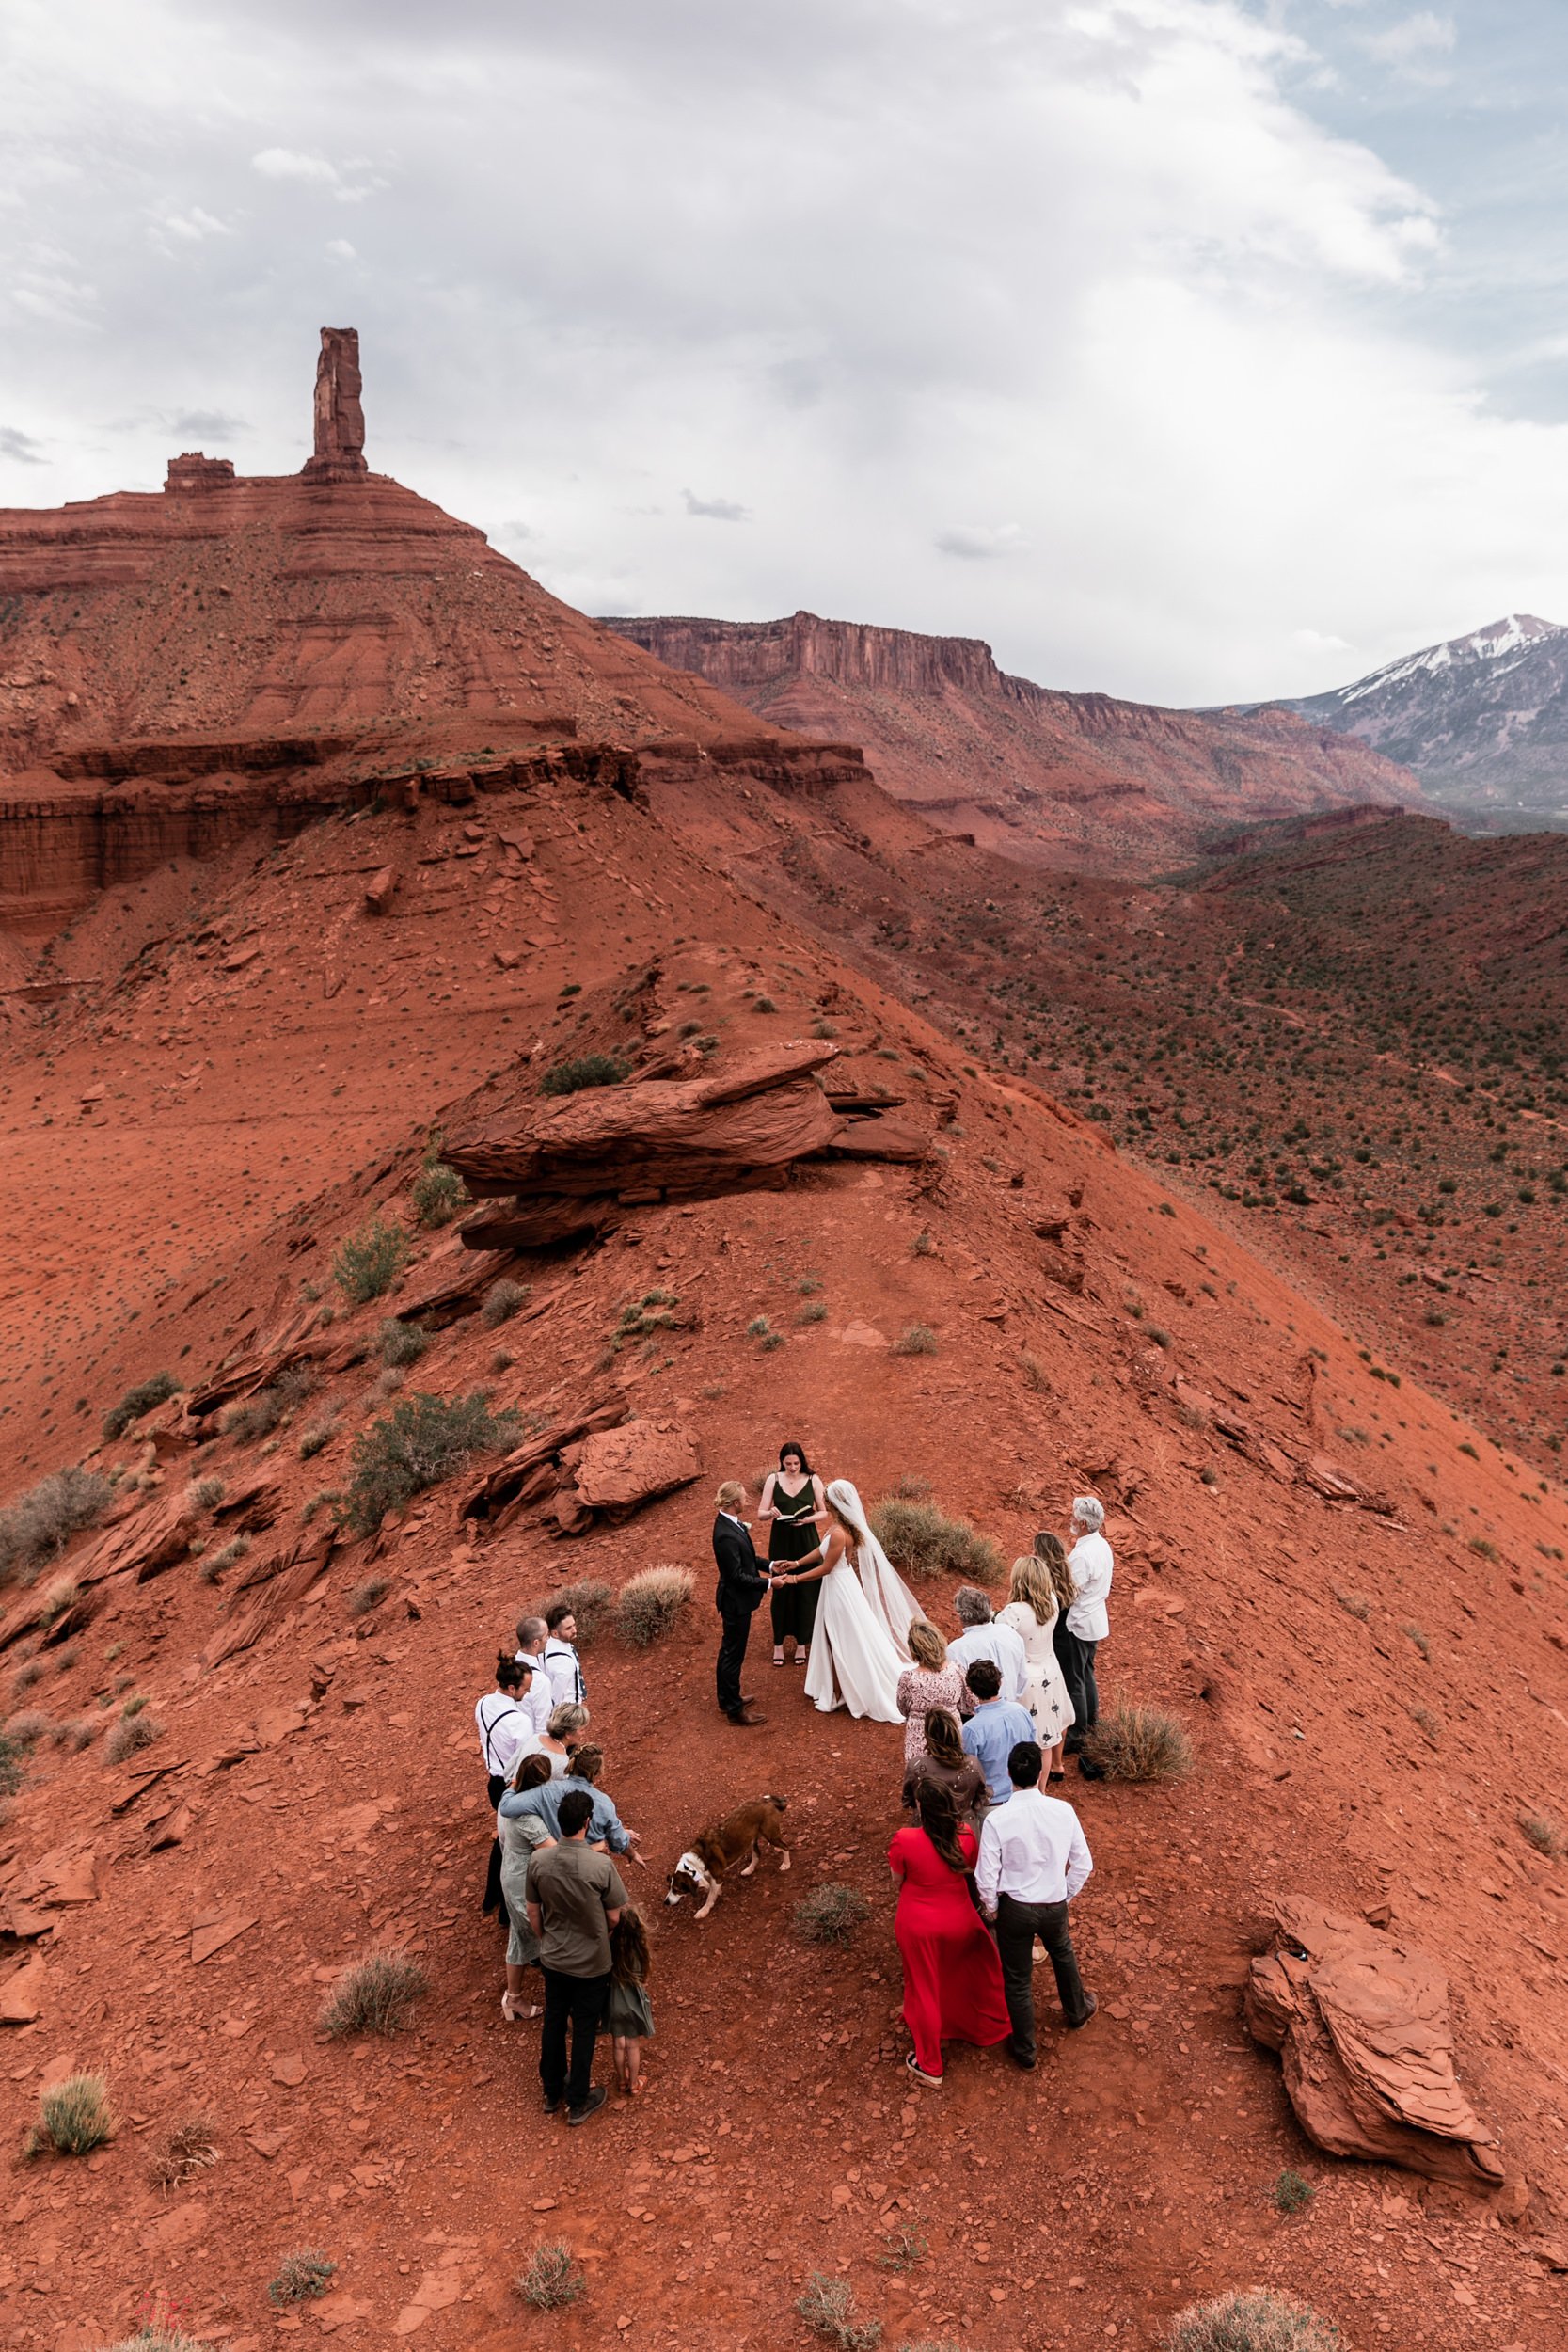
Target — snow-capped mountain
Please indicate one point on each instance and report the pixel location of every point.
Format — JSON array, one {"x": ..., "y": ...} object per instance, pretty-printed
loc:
[{"x": 1483, "y": 720}]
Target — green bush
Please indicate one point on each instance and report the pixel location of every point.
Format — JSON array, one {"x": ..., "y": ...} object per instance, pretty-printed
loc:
[
  {"x": 42, "y": 1522},
  {"x": 156, "y": 1389},
  {"x": 375, "y": 1995},
  {"x": 371, "y": 1260},
  {"x": 1292, "y": 2192},
  {"x": 585, "y": 1070},
  {"x": 649, "y": 1604},
  {"x": 924, "y": 1542},
  {"x": 423, "y": 1439},
  {"x": 75, "y": 2117},
  {"x": 831, "y": 1915},
  {"x": 1252, "y": 2322},
  {"x": 553, "y": 2277},
  {"x": 302, "y": 2277},
  {"x": 401, "y": 1343},
  {"x": 438, "y": 1191},
  {"x": 1139, "y": 1743}
]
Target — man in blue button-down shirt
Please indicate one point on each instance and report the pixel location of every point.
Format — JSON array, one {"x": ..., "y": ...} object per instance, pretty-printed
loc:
[{"x": 996, "y": 1728}]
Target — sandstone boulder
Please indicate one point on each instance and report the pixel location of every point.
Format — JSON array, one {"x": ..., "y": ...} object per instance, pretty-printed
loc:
[
  {"x": 381, "y": 890},
  {"x": 620, "y": 1468},
  {"x": 1361, "y": 2024}
]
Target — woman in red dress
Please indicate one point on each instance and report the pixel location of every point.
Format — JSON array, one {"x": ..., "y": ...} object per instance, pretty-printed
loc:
[{"x": 952, "y": 1973}]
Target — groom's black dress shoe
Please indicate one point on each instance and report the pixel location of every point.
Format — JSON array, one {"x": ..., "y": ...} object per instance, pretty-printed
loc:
[{"x": 746, "y": 1716}]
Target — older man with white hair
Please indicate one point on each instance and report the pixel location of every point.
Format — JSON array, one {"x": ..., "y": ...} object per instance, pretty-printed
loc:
[{"x": 1080, "y": 1633}]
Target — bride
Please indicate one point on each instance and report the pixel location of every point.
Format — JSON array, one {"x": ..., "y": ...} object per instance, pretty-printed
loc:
[
  {"x": 854, "y": 1660},
  {"x": 892, "y": 1602}
]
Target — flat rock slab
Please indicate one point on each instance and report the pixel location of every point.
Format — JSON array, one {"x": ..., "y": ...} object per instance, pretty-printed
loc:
[
  {"x": 621, "y": 1468},
  {"x": 212, "y": 1935}
]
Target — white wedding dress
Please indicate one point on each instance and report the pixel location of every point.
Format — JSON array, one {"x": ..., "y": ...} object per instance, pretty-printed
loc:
[{"x": 854, "y": 1660}]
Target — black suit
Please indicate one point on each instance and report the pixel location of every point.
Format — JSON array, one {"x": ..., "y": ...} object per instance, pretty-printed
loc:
[{"x": 741, "y": 1586}]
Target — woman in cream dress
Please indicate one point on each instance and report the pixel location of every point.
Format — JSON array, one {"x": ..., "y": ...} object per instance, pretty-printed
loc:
[{"x": 1033, "y": 1602}]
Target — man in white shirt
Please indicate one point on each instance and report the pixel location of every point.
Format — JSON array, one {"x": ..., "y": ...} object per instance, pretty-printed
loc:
[
  {"x": 1033, "y": 1858},
  {"x": 1091, "y": 1565},
  {"x": 982, "y": 1637},
  {"x": 562, "y": 1669},
  {"x": 539, "y": 1699}
]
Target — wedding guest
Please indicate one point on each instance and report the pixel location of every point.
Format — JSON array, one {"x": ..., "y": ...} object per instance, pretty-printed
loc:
[
  {"x": 995, "y": 1728},
  {"x": 982, "y": 1637},
  {"x": 504, "y": 1723},
  {"x": 1034, "y": 1604},
  {"x": 932, "y": 1681},
  {"x": 521, "y": 1834},
  {"x": 792, "y": 1506},
  {"x": 1079, "y": 1634},
  {"x": 582, "y": 1778},
  {"x": 952, "y": 1977},
  {"x": 1033, "y": 1859},
  {"x": 561, "y": 1664},
  {"x": 575, "y": 1900},
  {"x": 532, "y": 1635},
  {"x": 563, "y": 1734},
  {"x": 628, "y": 2016},
  {"x": 947, "y": 1763}
]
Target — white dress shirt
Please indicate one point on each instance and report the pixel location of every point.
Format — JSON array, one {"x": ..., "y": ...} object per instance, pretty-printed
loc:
[
  {"x": 503, "y": 1727},
  {"x": 564, "y": 1673},
  {"x": 1005, "y": 1650},
  {"x": 538, "y": 1700},
  {"x": 1033, "y": 1848},
  {"x": 1091, "y": 1562}
]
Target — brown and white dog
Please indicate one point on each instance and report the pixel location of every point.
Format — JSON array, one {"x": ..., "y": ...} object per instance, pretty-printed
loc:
[{"x": 701, "y": 1869}]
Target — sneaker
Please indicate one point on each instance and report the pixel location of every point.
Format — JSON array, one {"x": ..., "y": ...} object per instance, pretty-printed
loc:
[
  {"x": 932, "y": 2082},
  {"x": 553, "y": 2106},
  {"x": 1073, "y": 2022},
  {"x": 590, "y": 2105}
]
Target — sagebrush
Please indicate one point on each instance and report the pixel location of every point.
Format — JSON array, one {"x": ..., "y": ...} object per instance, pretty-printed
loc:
[
  {"x": 134, "y": 1731},
  {"x": 375, "y": 1995},
  {"x": 584, "y": 1070},
  {"x": 156, "y": 1389},
  {"x": 371, "y": 1260},
  {"x": 423, "y": 1439},
  {"x": 501, "y": 1302},
  {"x": 649, "y": 1604},
  {"x": 828, "y": 2306},
  {"x": 1252, "y": 2321},
  {"x": 553, "y": 2277},
  {"x": 1139, "y": 1743},
  {"x": 302, "y": 2277},
  {"x": 831, "y": 1915},
  {"x": 39, "y": 1524},
  {"x": 925, "y": 1542}
]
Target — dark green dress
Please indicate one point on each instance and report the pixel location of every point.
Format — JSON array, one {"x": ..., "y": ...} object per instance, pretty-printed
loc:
[{"x": 792, "y": 1537}]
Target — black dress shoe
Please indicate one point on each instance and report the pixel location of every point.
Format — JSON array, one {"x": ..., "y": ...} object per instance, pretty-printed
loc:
[
  {"x": 590, "y": 2105},
  {"x": 553, "y": 2106},
  {"x": 1073, "y": 2022},
  {"x": 746, "y": 1717},
  {"x": 1025, "y": 2065}
]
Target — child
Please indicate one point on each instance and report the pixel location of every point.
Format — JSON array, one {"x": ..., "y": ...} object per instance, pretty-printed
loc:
[{"x": 628, "y": 2017}]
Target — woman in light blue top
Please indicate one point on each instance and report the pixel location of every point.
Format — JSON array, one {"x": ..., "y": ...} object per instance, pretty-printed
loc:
[{"x": 605, "y": 1827}]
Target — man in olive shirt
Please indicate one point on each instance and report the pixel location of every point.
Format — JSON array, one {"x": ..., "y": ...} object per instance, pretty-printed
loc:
[{"x": 575, "y": 1896}]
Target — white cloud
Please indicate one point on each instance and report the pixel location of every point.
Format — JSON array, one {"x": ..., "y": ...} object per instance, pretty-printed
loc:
[
  {"x": 340, "y": 249},
  {"x": 1414, "y": 47},
  {"x": 716, "y": 510},
  {"x": 978, "y": 541},
  {"x": 287, "y": 163}
]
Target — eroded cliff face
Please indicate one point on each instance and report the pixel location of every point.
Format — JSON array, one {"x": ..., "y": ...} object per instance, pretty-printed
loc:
[{"x": 1084, "y": 779}]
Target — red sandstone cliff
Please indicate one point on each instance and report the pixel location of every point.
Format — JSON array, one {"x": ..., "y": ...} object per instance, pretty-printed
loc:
[{"x": 1083, "y": 779}]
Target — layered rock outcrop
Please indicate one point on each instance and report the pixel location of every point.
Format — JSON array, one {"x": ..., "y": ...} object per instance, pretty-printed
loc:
[{"x": 340, "y": 415}]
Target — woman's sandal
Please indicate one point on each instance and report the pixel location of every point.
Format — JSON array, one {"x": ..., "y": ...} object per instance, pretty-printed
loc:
[
  {"x": 523, "y": 2016},
  {"x": 778, "y": 1657}
]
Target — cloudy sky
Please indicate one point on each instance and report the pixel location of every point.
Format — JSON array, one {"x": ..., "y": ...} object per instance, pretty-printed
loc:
[{"x": 1189, "y": 349}]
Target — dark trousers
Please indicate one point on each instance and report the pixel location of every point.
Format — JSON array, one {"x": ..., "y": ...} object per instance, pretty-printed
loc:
[
  {"x": 1017, "y": 1926},
  {"x": 495, "y": 1788},
  {"x": 1076, "y": 1658},
  {"x": 736, "y": 1633},
  {"x": 794, "y": 1610},
  {"x": 580, "y": 2003}
]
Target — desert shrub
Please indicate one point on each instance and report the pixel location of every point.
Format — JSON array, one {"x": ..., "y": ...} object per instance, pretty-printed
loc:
[
  {"x": 438, "y": 1191},
  {"x": 1545, "y": 1834},
  {"x": 1252, "y": 2322},
  {"x": 365, "y": 1596},
  {"x": 41, "y": 1523},
  {"x": 302, "y": 2277},
  {"x": 227, "y": 1556},
  {"x": 156, "y": 1389},
  {"x": 423, "y": 1439},
  {"x": 402, "y": 1343},
  {"x": 1484, "y": 1547},
  {"x": 552, "y": 2278},
  {"x": 11, "y": 1771},
  {"x": 589, "y": 1601},
  {"x": 318, "y": 1501},
  {"x": 904, "y": 2250},
  {"x": 375, "y": 1995},
  {"x": 816, "y": 1312},
  {"x": 828, "y": 2308},
  {"x": 1353, "y": 1606},
  {"x": 255, "y": 1417},
  {"x": 759, "y": 1327},
  {"x": 501, "y": 1302},
  {"x": 763, "y": 1003},
  {"x": 187, "y": 2147},
  {"x": 371, "y": 1260},
  {"x": 59, "y": 1595},
  {"x": 649, "y": 1603},
  {"x": 29, "y": 1672},
  {"x": 584, "y": 1070},
  {"x": 1293, "y": 2193},
  {"x": 1414, "y": 1633},
  {"x": 207, "y": 1493},
  {"x": 921, "y": 1245},
  {"x": 75, "y": 2117},
  {"x": 152, "y": 2336},
  {"x": 924, "y": 1542},
  {"x": 1426, "y": 1722},
  {"x": 1139, "y": 1743},
  {"x": 918, "y": 1339},
  {"x": 320, "y": 1434},
  {"x": 832, "y": 1913},
  {"x": 134, "y": 1731},
  {"x": 640, "y": 1317}
]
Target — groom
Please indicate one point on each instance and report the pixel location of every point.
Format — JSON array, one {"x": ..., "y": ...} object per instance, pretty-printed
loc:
[{"x": 741, "y": 1586}]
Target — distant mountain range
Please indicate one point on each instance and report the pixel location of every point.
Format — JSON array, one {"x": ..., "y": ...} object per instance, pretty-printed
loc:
[{"x": 1483, "y": 720}]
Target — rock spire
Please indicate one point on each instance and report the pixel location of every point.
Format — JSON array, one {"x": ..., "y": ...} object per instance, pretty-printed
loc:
[{"x": 340, "y": 451}]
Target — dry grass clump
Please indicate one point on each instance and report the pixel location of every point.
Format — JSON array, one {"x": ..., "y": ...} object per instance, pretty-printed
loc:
[
  {"x": 207, "y": 1493},
  {"x": 1252, "y": 2322},
  {"x": 924, "y": 1542},
  {"x": 61, "y": 1594},
  {"x": 501, "y": 1302},
  {"x": 649, "y": 1604},
  {"x": 918, "y": 1339},
  {"x": 365, "y": 1596},
  {"x": 256, "y": 1417},
  {"x": 375, "y": 1995},
  {"x": 831, "y": 1915},
  {"x": 1545, "y": 1834},
  {"x": 137, "y": 1729},
  {"x": 302, "y": 2277},
  {"x": 1139, "y": 1743},
  {"x": 553, "y": 2277},
  {"x": 227, "y": 1556},
  {"x": 401, "y": 1343},
  {"x": 154, "y": 2336},
  {"x": 38, "y": 1527},
  {"x": 828, "y": 2308},
  {"x": 185, "y": 2148},
  {"x": 74, "y": 2117}
]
